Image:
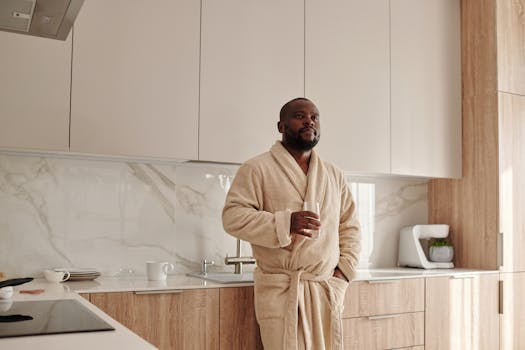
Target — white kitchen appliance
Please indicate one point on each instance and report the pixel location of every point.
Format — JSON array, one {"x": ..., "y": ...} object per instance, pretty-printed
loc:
[{"x": 411, "y": 251}]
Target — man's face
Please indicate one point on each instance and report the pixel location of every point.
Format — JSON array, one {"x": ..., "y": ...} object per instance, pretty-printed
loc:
[{"x": 301, "y": 128}]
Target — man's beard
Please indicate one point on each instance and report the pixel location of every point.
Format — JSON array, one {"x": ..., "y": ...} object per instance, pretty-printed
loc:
[{"x": 297, "y": 142}]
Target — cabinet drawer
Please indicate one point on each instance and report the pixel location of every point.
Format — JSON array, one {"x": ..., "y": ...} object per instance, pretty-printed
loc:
[
  {"x": 384, "y": 332},
  {"x": 369, "y": 298}
]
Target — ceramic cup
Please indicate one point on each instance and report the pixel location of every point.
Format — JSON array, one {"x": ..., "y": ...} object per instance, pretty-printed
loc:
[
  {"x": 158, "y": 271},
  {"x": 314, "y": 207},
  {"x": 6, "y": 293},
  {"x": 56, "y": 276}
]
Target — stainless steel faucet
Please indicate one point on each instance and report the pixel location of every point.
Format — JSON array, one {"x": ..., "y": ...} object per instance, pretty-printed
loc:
[
  {"x": 239, "y": 260},
  {"x": 204, "y": 266}
]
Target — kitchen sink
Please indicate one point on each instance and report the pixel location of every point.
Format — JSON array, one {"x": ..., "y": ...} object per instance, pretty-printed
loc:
[{"x": 224, "y": 277}]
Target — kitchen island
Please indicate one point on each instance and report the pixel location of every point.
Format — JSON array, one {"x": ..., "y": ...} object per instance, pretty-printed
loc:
[{"x": 120, "y": 338}]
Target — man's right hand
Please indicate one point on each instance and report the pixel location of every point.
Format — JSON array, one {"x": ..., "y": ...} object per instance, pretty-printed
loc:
[{"x": 304, "y": 220}]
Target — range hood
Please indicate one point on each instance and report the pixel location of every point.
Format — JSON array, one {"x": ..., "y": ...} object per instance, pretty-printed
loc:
[{"x": 46, "y": 18}]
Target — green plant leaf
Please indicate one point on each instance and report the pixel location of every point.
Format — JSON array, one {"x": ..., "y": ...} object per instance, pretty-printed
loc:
[{"x": 441, "y": 242}]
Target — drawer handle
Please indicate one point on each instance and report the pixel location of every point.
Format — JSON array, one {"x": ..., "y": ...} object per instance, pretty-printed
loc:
[
  {"x": 382, "y": 281},
  {"x": 463, "y": 276},
  {"x": 166, "y": 291},
  {"x": 373, "y": 318}
]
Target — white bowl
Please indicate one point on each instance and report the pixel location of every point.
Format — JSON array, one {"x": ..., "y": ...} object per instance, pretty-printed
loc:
[{"x": 6, "y": 292}]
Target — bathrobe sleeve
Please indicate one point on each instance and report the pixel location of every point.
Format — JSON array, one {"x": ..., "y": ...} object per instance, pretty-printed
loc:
[
  {"x": 349, "y": 233},
  {"x": 243, "y": 215}
]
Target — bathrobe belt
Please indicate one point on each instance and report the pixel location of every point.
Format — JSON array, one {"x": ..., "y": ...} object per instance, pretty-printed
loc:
[{"x": 291, "y": 315}]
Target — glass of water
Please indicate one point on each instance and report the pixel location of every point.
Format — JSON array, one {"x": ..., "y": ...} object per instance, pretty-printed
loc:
[{"x": 314, "y": 207}]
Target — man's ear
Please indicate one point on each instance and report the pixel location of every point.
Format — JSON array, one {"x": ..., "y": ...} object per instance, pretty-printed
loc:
[{"x": 280, "y": 127}]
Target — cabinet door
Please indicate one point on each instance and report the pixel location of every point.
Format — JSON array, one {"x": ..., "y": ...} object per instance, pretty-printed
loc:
[
  {"x": 511, "y": 51},
  {"x": 169, "y": 320},
  {"x": 369, "y": 298},
  {"x": 426, "y": 88},
  {"x": 512, "y": 179},
  {"x": 347, "y": 75},
  {"x": 513, "y": 317},
  {"x": 238, "y": 327},
  {"x": 462, "y": 313},
  {"x": 384, "y": 331},
  {"x": 252, "y": 62},
  {"x": 34, "y": 94},
  {"x": 135, "y": 78}
]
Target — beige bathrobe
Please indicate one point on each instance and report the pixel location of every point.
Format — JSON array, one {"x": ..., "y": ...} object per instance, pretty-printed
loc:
[{"x": 298, "y": 303}]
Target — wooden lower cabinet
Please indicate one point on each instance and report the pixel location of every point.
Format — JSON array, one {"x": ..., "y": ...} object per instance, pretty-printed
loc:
[
  {"x": 384, "y": 314},
  {"x": 171, "y": 319},
  {"x": 238, "y": 327},
  {"x": 513, "y": 306},
  {"x": 462, "y": 313},
  {"x": 384, "y": 331},
  {"x": 368, "y": 298}
]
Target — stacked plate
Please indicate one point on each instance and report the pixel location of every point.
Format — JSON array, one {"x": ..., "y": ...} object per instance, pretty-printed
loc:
[{"x": 80, "y": 274}]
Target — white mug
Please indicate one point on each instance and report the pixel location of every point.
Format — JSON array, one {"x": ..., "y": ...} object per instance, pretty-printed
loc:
[
  {"x": 56, "y": 276},
  {"x": 158, "y": 271}
]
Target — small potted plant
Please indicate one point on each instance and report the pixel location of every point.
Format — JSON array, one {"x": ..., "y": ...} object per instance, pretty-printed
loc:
[{"x": 441, "y": 250}]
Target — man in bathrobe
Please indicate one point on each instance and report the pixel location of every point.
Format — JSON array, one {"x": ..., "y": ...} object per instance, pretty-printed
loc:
[{"x": 300, "y": 283}]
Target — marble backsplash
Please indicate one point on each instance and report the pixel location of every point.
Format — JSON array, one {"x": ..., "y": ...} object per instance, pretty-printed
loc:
[{"x": 115, "y": 215}]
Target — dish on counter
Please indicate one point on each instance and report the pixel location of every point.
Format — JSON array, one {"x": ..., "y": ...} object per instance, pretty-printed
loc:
[{"x": 80, "y": 274}]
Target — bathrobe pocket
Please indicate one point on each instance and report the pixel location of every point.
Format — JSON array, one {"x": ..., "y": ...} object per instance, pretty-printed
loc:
[
  {"x": 338, "y": 286},
  {"x": 271, "y": 296}
]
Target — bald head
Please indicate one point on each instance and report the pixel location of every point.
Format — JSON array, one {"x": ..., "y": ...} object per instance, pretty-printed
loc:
[{"x": 286, "y": 107}]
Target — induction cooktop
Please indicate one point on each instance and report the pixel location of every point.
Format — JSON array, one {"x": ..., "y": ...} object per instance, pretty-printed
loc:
[{"x": 23, "y": 318}]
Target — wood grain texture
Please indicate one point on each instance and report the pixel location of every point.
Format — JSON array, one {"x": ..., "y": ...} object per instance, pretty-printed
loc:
[
  {"x": 478, "y": 47},
  {"x": 511, "y": 47},
  {"x": 399, "y": 331},
  {"x": 512, "y": 179},
  {"x": 238, "y": 326},
  {"x": 85, "y": 296},
  {"x": 513, "y": 318},
  {"x": 462, "y": 313},
  {"x": 388, "y": 297},
  {"x": 470, "y": 205},
  {"x": 185, "y": 320}
]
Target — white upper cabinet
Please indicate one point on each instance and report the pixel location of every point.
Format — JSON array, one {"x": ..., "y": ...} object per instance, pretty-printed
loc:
[
  {"x": 347, "y": 77},
  {"x": 135, "y": 78},
  {"x": 35, "y": 75},
  {"x": 252, "y": 62},
  {"x": 426, "y": 88}
]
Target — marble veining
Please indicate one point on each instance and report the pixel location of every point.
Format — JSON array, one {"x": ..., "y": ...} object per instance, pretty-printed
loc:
[{"x": 115, "y": 215}]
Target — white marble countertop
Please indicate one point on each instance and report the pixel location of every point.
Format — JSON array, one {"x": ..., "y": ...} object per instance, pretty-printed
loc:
[
  {"x": 177, "y": 282},
  {"x": 123, "y": 337},
  {"x": 120, "y": 338},
  {"x": 404, "y": 273}
]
